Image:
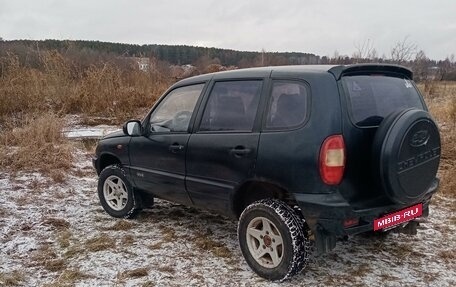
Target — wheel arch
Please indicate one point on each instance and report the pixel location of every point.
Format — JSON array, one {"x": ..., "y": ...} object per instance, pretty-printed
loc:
[
  {"x": 253, "y": 190},
  {"x": 107, "y": 159}
]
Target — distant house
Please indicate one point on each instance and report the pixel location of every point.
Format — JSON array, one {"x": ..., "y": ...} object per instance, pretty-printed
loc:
[
  {"x": 143, "y": 63},
  {"x": 433, "y": 73}
]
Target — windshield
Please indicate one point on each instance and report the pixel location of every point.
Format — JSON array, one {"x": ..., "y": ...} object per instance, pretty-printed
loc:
[{"x": 373, "y": 97}]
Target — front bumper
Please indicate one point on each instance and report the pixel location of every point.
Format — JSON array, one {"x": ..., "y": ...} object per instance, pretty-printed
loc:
[{"x": 95, "y": 163}]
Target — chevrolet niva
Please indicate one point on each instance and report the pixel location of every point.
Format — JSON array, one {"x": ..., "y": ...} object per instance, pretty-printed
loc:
[{"x": 296, "y": 153}]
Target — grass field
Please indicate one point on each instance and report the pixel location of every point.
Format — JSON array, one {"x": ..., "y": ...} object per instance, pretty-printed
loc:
[
  {"x": 35, "y": 101},
  {"x": 441, "y": 100},
  {"x": 54, "y": 233}
]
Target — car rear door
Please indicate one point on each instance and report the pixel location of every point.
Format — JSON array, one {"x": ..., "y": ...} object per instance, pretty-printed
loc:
[
  {"x": 222, "y": 151},
  {"x": 369, "y": 97}
]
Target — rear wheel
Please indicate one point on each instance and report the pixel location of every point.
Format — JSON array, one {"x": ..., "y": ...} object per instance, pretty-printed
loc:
[{"x": 273, "y": 239}]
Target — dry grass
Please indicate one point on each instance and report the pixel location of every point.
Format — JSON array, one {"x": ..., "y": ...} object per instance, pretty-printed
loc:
[
  {"x": 36, "y": 144},
  {"x": 100, "y": 243},
  {"x": 55, "y": 265},
  {"x": 24, "y": 200},
  {"x": 83, "y": 172},
  {"x": 73, "y": 251},
  {"x": 448, "y": 255},
  {"x": 441, "y": 100},
  {"x": 43, "y": 253},
  {"x": 135, "y": 273},
  {"x": 13, "y": 278},
  {"x": 403, "y": 252},
  {"x": 57, "y": 223},
  {"x": 453, "y": 220},
  {"x": 156, "y": 245},
  {"x": 33, "y": 101},
  {"x": 59, "y": 84},
  {"x": 3, "y": 212},
  {"x": 166, "y": 268},
  {"x": 169, "y": 234},
  {"x": 361, "y": 271},
  {"x": 206, "y": 243},
  {"x": 120, "y": 225},
  {"x": 89, "y": 145},
  {"x": 63, "y": 238},
  {"x": 389, "y": 278},
  {"x": 127, "y": 240},
  {"x": 68, "y": 277}
]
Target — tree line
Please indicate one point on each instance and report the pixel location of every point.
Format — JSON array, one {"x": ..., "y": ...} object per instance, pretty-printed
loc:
[
  {"x": 174, "y": 54},
  {"x": 403, "y": 52}
]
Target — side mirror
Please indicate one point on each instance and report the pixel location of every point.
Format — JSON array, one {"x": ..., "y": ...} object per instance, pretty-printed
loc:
[{"x": 132, "y": 128}]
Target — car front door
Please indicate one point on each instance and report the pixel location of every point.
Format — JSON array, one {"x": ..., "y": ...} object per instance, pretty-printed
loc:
[
  {"x": 158, "y": 158},
  {"x": 222, "y": 152}
]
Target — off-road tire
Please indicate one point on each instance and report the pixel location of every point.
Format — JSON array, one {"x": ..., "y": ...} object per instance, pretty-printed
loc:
[
  {"x": 296, "y": 245},
  {"x": 133, "y": 203}
]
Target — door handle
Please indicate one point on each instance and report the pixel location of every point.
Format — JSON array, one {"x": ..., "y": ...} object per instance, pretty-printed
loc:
[
  {"x": 175, "y": 147},
  {"x": 240, "y": 151}
]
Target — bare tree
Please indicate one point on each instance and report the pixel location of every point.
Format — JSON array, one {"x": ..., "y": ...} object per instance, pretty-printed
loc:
[
  {"x": 421, "y": 66},
  {"x": 445, "y": 68},
  {"x": 365, "y": 50},
  {"x": 336, "y": 58},
  {"x": 403, "y": 51}
]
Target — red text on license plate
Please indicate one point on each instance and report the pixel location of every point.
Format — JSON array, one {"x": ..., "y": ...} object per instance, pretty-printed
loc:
[{"x": 398, "y": 217}]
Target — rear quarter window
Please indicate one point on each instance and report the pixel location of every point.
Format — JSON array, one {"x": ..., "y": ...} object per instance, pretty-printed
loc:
[
  {"x": 287, "y": 106},
  {"x": 372, "y": 98}
]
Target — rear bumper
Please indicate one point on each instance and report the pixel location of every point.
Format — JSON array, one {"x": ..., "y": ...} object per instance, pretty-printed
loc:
[{"x": 325, "y": 214}]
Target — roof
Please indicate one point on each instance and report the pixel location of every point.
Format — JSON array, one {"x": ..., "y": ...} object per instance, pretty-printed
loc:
[{"x": 336, "y": 70}]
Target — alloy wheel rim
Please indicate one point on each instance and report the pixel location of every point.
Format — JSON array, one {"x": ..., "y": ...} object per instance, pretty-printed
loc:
[
  {"x": 115, "y": 193},
  {"x": 265, "y": 242}
]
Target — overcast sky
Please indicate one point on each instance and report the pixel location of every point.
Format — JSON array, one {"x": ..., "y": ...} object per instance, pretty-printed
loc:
[{"x": 313, "y": 26}]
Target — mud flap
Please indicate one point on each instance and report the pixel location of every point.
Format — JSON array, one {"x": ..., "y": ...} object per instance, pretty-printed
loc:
[
  {"x": 324, "y": 241},
  {"x": 409, "y": 229}
]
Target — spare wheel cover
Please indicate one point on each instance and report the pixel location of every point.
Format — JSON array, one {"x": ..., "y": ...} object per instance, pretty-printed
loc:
[{"x": 407, "y": 155}]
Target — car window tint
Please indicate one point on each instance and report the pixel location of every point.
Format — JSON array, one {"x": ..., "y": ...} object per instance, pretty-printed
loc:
[
  {"x": 372, "y": 98},
  {"x": 287, "y": 105},
  {"x": 232, "y": 106},
  {"x": 174, "y": 112}
]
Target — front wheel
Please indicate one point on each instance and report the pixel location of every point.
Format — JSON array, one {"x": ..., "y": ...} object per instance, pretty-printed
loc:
[
  {"x": 273, "y": 240},
  {"x": 117, "y": 196}
]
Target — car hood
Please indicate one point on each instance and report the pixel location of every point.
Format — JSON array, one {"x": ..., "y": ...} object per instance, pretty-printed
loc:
[{"x": 115, "y": 134}]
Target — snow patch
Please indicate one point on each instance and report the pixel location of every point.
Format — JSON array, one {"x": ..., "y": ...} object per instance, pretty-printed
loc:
[
  {"x": 96, "y": 132},
  {"x": 162, "y": 240}
]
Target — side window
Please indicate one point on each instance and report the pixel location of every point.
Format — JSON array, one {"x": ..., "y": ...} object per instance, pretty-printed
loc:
[
  {"x": 174, "y": 112},
  {"x": 287, "y": 105},
  {"x": 232, "y": 106}
]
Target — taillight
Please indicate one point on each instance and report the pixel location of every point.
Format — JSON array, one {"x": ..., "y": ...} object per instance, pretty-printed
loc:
[
  {"x": 332, "y": 160},
  {"x": 351, "y": 222}
]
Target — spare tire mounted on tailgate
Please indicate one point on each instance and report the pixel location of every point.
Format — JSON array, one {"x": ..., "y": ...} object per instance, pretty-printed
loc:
[{"x": 406, "y": 155}]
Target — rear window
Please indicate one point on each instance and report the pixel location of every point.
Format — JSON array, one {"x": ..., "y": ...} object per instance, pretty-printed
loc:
[{"x": 372, "y": 98}]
